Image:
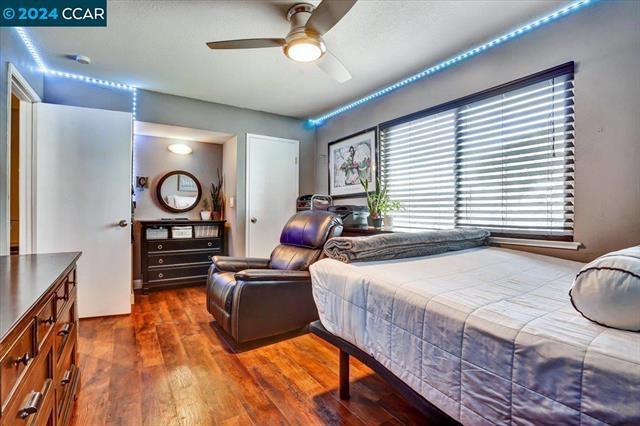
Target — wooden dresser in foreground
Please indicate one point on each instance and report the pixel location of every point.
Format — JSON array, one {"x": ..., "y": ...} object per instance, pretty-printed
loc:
[{"x": 39, "y": 376}]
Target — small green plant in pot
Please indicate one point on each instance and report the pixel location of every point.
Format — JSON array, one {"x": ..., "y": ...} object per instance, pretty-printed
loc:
[
  {"x": 217, "y": 197},
  {"x": 205, "y": 213},
  {"x": 379, "y": 203}
]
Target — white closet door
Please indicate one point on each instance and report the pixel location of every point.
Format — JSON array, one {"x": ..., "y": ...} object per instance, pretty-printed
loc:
[
  {"x": 83, "y": 191},
  {"x": 272, "y": 190}
]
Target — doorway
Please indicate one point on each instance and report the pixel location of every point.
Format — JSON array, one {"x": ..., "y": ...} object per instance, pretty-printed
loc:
[
  {"x": 272, "y": 190},
  {"x": 14, "y": 186},
  {"x": 16, "y": 195}
]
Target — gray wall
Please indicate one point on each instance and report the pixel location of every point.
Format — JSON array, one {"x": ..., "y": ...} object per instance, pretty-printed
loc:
[
  {"x": 167, "y": 109},
  {"x": 153, "y": 159},
  {"x": 604, "y": 40},
  {"x": 186, "y": 112},
  {"x": 11, "y": 50},
  {"x": 230, "y": 188},
  {"x": 66, "y": 91}
]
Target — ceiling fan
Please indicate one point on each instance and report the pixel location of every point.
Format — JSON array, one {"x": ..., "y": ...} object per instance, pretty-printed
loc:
[{"x": 304, "y": 41}]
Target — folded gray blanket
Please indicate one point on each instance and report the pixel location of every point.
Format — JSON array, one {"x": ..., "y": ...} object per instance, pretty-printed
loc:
[{"x": 400, "y": 245}]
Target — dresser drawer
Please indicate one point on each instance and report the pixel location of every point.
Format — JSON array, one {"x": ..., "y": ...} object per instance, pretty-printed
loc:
[
  {"x": 65, "y": 329},
  {"x": 44, "y": 321},
  {"x": 47, "y": 416},
  {"x": 186, "y": 244},
  {"x": 176, "y": 273},
  {"x": 72, "y": 281},
  {"x": 61, "y": 296},
  {"x": 31, "y": 402},
  {"x": 15, "y": 362},
  {"x": 65, "y": 388},
  {"x": 181, "y": 258}
]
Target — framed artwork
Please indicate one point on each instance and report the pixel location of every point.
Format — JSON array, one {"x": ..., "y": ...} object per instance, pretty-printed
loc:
[
  {"x": 350, "y": 159},
  {"x": 186, "y": 184}
]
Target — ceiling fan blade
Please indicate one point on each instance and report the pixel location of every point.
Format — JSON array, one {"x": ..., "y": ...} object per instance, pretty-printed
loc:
[
  {"x": 327, "y": 14},
  {"x": 332, "y": 66},
  {"x": 248, "y": 43}
]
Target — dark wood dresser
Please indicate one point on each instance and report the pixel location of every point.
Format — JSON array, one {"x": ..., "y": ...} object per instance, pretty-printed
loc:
[
  {"x": 178, "y": 253},
  {"x": 39, "y": 374}
]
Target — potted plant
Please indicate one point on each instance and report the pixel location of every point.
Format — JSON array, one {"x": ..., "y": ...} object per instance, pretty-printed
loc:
[
  {"x": 217, "y": 198},
  {"x": 374, "y": 201},
  {"x": 387, "y": 208},
  {"x": 379, "y": 204},
  {"x": 205, "y": 213}
]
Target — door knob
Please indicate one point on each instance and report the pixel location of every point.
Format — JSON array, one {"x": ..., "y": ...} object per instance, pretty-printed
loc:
[
  {"x": 122, "y": 224},
  {"x": 254, "y": 220}
]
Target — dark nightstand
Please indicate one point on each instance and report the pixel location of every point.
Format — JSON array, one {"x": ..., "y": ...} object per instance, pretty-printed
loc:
[{"x": 363, "y": 231}]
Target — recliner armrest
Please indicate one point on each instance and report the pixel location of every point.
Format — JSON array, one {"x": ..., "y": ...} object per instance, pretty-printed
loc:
[
  {"x": 237, "y": 264},
  {"x": 249, "y": 275},
  {"x": 271, "y": 302}
]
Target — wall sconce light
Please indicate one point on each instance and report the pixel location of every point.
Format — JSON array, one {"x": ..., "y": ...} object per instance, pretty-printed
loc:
[
  {"x": 180, "y": 148},
  {"x": 142, "y": 182}
]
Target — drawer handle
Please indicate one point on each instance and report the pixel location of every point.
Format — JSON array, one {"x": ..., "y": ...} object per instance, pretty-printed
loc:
[
  {"x": 72, "y": 283},
  {"x": 66, "y": 329},
  {"x": 65, "y": 297},
  {"x": 159, "y": 246},
  {"x": 209, "y": 257},
  {"x": 32, "y": 406},
  {"x": 160, "y": 275},
  {"x": 49, "y": 320},
  {"x": 66, "y": 379},
  {"x": 209, "y": 244},
  {"x": 160, "y": 261},
  {"x": 24, "y": 359}
]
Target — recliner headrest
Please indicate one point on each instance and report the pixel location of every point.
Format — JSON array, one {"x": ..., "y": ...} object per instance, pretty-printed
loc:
[{"x": 311, "y": 229}]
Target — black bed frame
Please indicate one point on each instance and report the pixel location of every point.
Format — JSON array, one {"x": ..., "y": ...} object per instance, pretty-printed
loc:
[{"x": 431, "y": 412}]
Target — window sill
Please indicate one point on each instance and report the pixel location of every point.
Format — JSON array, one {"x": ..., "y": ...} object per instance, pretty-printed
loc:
[{"x": 565, "y": 245}]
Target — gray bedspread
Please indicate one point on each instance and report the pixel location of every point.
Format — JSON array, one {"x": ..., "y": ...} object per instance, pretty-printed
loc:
[
  {"x": 487, "y": 335},
  {"x": 400, "y": 245}
]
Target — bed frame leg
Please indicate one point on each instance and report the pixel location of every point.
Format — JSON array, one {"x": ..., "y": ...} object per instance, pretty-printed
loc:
[{"x": 344, "y": 375}]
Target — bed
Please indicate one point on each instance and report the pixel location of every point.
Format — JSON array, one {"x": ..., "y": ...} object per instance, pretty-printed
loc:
[{"x": 487, "y": 335}]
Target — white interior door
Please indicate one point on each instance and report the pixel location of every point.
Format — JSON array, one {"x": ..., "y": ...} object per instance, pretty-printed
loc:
[
  {"x": 272, "y": 190},
  {"x": 83, "y": 191}
]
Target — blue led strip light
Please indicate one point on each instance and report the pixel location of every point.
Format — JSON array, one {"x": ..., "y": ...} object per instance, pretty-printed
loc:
[
  {"x": 43, "y": 68},
  {"x": 573, "y": 7},
  {"x": 31, "y": 48}
]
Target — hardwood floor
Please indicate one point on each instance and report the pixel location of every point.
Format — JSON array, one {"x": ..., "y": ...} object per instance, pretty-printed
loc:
[{"x": 165, "y": 365}]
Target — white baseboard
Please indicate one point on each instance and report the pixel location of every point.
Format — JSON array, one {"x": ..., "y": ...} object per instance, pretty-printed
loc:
[{"x": 137, "y": 284}]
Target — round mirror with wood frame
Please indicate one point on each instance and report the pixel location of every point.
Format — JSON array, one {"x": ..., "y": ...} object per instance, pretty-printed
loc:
[{"x": 178, "y": 191}]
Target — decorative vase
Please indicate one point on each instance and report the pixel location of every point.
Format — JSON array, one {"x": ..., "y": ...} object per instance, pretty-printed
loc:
[
  {"x": 376, "y": 222},
  {"x": 216, "y": 216},
  {"x": 205, "y": 215},
  {"x": 388, "y": 221}
]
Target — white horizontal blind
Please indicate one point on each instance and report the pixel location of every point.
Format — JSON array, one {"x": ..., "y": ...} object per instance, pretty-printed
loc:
[
  {"x": 504, "y": 163},
  {"x": 515, "y": 161},
  {"x": 417, "y": 161}
]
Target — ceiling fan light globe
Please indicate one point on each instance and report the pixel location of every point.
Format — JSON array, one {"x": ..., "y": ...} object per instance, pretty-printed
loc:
[{"x": 305, "y": 50}]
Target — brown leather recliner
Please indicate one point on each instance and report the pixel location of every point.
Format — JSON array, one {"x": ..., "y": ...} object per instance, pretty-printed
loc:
[{"x": 256, "y": 298}]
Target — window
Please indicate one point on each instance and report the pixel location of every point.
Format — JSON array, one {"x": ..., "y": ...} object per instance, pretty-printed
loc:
[{"x": 502, "y": 160}]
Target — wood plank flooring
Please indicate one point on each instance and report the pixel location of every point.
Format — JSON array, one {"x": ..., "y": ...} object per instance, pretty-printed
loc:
[{"x": 165, "y": 365}]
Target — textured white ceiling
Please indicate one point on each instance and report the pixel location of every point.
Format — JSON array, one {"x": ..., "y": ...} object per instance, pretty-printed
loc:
[{"x": 160, "y": 46}]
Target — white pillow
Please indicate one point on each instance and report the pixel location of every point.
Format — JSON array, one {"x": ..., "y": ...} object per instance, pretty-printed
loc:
[
  {"x": 607, "y": 290},
  {"x": 184, "y": 202}
]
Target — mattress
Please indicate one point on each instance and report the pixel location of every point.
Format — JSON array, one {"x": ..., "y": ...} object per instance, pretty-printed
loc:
[{"x": 487, "y": 335}]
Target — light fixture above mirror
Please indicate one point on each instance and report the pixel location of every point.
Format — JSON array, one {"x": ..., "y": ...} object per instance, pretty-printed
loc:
[{"x": 180, "y": 148}]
